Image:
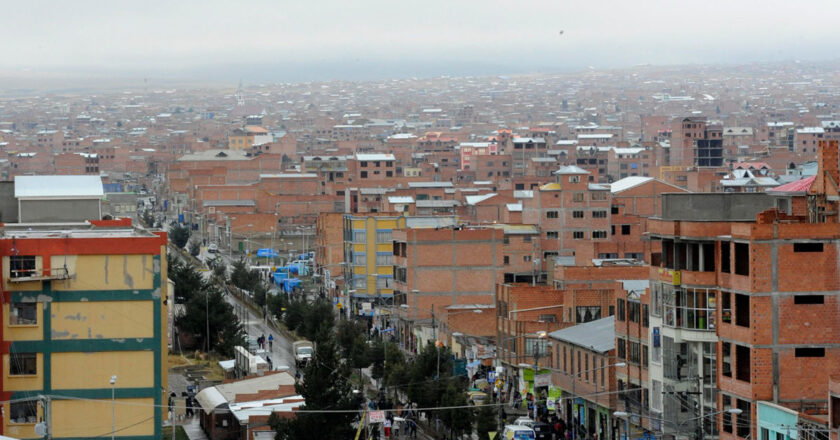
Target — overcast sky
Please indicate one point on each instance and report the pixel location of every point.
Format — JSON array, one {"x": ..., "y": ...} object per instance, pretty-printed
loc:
[{"x": 264, "y": 38}]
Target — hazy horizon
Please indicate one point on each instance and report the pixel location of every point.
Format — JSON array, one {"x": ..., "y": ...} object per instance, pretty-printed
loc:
[{"x": 261, "y": 41}]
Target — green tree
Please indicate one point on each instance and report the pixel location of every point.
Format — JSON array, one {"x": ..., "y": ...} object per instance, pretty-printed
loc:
[
  {"x": 260, "y": 293},
  {"x": 295, "y": 314},
  {"x": 318, "y": 320},
  {"x": 219, "y": 270},
  {"x": 423, "y": 383},
  {"x": 242, "y": 277},
  {"x": 194, "y": 248},
  {"x": 485, "y": 421},
  {"x": 325, "y": 387},
  {"x": 458, "y": 420},
  {"x": 226, "y": 331},
  {"x": 188, "y": 281},
  {"x": 179, "y": 235}
]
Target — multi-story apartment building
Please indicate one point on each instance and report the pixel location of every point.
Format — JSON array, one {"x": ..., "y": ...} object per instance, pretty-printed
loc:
[
  {"x": 569, "y": 212},
  {"x": 744, "y": 303},
  {"x": 84, "y": 316},
  {"x": 438, "y": 267}
]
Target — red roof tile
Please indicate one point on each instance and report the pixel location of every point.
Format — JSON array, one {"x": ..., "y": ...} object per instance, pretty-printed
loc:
[{"x": 800, "y": 186}]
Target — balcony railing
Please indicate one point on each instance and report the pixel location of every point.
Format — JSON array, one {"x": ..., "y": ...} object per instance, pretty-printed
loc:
[
  {"x": 689, "y": 317},
  {"x": 25, "y": 275}
]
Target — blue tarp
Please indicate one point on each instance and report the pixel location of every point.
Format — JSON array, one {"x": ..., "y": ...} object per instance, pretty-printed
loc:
[
  {"x": 280, "y": 276},
  {"x": 290, "y": 284},
  {"x": 266, "y": 253}
]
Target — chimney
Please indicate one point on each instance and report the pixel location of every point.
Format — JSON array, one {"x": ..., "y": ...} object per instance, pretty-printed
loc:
[{"x": 828, "y": 171}]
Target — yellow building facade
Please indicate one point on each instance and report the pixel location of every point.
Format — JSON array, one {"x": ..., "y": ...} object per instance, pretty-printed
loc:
[{"x": 78, "y": 308}]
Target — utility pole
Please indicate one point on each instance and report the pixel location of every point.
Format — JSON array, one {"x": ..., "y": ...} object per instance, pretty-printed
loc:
[
  {"x": 207, "y": 318},
  {"x": 437, "y": 349}
]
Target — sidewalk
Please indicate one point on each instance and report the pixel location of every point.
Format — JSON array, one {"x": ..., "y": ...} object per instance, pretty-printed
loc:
[{"x": 194, "y": 431}]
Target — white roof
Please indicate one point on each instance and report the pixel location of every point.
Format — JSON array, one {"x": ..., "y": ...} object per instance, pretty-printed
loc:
[
  {"x": 571, "y": 169},
  {"x": 430, "y": 184},
  {"x": 472, "y": 200},
  {"x": 523, "y": 194},
  {"x": 526, "y": 140},
  {"x": 566, "y": 142},
  {"x": 400, "y": 199},
  {"x": 374, "y": 157},
  {"x": 402, "y": 136},
  {"x": 627, "y": 183},
  {"x": 243, "y": 411},
  {"x": 210, "y": 398},
  {"x": 514, "y": 207},
  {"x": 287, "y": 175},
  {"x": 58, "y": 187},
  {"x": 810, "y": 130},
  {"x": 594, "y": 135},
  {"x": 627, "y": 150},
  {"x": 475, "y": 144}
]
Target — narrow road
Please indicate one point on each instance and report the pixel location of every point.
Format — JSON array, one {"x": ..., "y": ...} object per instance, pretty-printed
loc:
[{"x": 254, "y": 326}]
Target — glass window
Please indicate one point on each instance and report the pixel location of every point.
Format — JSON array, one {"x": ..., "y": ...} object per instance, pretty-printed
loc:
[
  {"x": 23, "y": 412},
  {"x": 21, "y": 266},
  {"x": 536, "y": 346},
  {"x": 24, "y": 313},
  {"x": 587, "y": 313},
  {"x": 21, "y": 364},
  {"x": 620, "y": 310}
]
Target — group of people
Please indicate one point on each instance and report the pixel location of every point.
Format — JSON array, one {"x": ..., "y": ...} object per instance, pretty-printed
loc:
[
  {"x": 261, "y": 341},
  {"x": 393, "y": 426}
]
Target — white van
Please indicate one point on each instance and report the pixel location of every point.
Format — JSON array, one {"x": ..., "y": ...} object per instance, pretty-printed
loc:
[{"x": 518, "y": 432}]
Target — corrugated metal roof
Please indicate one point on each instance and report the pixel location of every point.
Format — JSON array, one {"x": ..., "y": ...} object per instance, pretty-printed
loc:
[
  {"x": 517, "y": 229},
  {"x": 367, "y": 191},
  {"x": 229, "y": 203},
  {"x": 571, "y": 169},
  {"x": 287, "y": 175},
  {"x": 628, "y": 182},
  {"x": 472, "y": 200},
  {"x": 437, "y": 203},
  {"x": 598, "y": 335},
  {"x": 374, "y": 157},
  {"x": 209, "y": 399},
  {"x": 430, "y": 184},
  {"x": 514, "y": 207},
  {"x": 800, "y": 186},
  {"x": 38, "y": 187}
]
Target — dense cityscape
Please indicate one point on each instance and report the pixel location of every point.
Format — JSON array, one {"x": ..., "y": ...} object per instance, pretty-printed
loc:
[
  {"x": 469, "y": 220},
  {"x": 609, "y": 254}
]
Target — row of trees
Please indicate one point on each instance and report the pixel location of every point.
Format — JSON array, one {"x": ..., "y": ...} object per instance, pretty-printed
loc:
[
  {"x": 203, "y": 305},
  {"x": 345, "y": 347}
]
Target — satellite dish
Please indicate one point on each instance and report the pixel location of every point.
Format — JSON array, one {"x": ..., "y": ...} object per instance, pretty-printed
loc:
[{"x": 41, "y": 429}]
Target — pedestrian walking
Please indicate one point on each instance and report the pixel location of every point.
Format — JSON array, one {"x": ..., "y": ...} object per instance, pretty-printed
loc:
[
  {"x": 270, "y": 341},
  {"x": 412, "y": 428},
  {"x": 387, "y": 426}
]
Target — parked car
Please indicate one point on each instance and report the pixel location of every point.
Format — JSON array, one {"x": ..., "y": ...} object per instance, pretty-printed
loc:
[
  {"x": 477, "y": 398},
  {"x": 518, "y": 432},
  {"x": 542, "y": 431},
  {"x": 524, "y": 421}
]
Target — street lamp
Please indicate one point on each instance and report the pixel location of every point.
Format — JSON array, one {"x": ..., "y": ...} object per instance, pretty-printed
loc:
[{"x": 113, "y": 402}]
